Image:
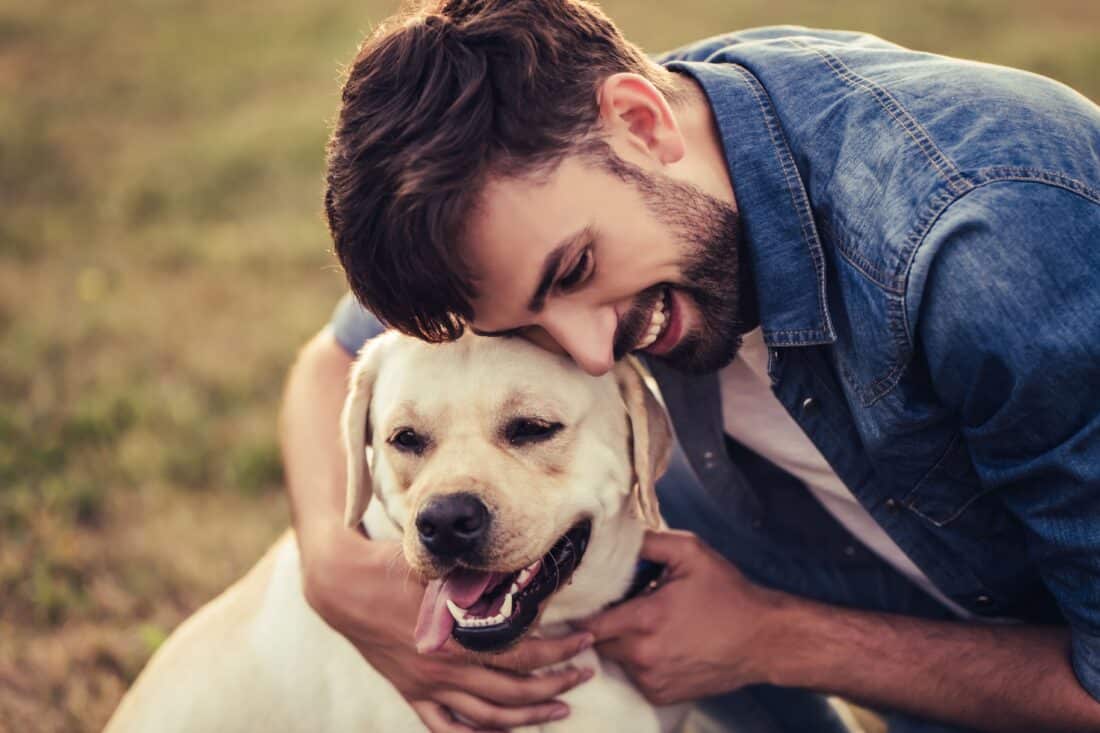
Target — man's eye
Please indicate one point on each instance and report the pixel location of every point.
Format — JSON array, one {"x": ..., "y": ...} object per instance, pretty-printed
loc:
[
  {"x": 522, "y": 431},
  {"x": 407, "y": 440},
  {"x": 579, "y": 271}
]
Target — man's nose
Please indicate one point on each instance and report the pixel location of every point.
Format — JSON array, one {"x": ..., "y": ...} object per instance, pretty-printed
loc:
[{"x": 588, "y": 338}]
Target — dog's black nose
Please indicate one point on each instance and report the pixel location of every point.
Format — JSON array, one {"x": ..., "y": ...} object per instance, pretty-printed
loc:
[{"x": 452, "y": 525}]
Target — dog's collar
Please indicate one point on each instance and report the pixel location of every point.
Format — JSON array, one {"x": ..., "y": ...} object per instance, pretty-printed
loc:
[{"x": 647, "y": 575}]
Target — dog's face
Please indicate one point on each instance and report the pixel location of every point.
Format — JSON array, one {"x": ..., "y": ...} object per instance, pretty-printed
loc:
[{"x": 501, "y": 463}]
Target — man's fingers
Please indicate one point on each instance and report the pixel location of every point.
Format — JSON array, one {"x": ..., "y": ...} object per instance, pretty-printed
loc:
[
  {"x": 510, "y": 689},
  {"x": 667, "y": 546},
  {"x": 487, "y": 715},
  {"x": 633, "y": 617},
  {"x": 531, "y": 654},
  {"x": 438, "y": 720}
]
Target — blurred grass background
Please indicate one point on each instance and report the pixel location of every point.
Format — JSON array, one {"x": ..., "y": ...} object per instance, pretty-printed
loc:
[{"x": 163, "y": 255}]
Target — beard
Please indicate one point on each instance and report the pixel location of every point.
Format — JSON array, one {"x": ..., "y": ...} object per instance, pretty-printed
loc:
[{"x": 715, "y": 274}]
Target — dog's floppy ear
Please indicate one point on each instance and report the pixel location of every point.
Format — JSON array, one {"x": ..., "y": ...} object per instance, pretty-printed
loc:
[
  {"x": 353, "y": 422},
  {"x": 651, "y": 436}
]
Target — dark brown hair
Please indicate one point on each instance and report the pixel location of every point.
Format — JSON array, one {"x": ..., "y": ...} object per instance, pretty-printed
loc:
[{"x": 438, "y": 99}]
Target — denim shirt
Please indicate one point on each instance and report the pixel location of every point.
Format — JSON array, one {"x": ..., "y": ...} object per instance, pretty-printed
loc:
[{"x": 924, "y": 233}]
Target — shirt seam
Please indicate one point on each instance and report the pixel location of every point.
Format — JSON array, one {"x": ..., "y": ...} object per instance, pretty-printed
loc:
[
  {"x": 1006, "y": 175},
  {"x": 943, "y": 164}
]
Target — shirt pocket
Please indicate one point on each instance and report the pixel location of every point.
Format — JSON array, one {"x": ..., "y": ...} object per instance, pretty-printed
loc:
[{"x": 949, "y": 488}]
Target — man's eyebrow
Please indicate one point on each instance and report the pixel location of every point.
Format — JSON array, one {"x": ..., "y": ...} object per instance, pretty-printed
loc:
[{"x": 550, "y": 267}]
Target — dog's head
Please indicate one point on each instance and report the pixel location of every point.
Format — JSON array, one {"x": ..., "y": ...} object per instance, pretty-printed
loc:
[{"x": 504, "y": 466}]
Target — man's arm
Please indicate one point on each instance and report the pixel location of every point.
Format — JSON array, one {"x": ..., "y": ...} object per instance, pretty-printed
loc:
[
  {"x": 707, "y": 630},
  {"x": 988, "y": 677},
  {"x": 362, "y": 589}
]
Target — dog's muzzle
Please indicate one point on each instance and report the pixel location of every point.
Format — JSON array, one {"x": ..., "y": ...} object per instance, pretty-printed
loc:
[{"x": 487, "y": 611}]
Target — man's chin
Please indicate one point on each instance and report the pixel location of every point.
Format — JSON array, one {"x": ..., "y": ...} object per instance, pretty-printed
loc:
[{"x": 692, "y": 356}]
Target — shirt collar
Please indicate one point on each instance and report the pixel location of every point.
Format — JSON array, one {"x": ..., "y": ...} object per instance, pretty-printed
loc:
[{"x": 776, "y": 219}]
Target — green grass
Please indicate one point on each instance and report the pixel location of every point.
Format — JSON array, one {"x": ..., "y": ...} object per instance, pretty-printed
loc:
[{"x": 163, "y": 254}]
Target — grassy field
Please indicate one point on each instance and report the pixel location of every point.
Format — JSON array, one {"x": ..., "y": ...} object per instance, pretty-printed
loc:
[{"x": 162, "y": 256}]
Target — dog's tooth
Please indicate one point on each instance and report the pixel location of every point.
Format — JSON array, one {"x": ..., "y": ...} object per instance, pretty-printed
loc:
[
  {"x": 514, "y": 587},
  {"x": 498, "y": 619},
  {"x": 457, "y": 612},
  {"x": 506, "y": 607}
]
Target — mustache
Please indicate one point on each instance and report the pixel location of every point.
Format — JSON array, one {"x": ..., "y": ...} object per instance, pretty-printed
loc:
[{"x": 636, "y": 321}]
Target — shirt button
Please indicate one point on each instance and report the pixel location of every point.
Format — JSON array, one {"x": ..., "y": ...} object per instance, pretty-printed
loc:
[
  {"x": 850, "y": 551},
  {"x": 984, "y": 601},
  {"x": 809, "y": 406},
  {"x": 891, "y": 506}
]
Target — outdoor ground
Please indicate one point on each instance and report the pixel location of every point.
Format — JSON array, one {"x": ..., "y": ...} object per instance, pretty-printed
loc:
[{"x": 162, "y": 256}]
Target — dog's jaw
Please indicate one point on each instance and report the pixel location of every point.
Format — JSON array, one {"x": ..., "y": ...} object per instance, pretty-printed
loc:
[{"x": 604, "y": 574}]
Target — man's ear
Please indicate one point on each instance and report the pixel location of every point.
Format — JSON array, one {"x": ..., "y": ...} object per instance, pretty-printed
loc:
[
  {"x": 635, "y": 113},
  {"x": 356, "y": 433},
  {"x": 651, "y": 437}
]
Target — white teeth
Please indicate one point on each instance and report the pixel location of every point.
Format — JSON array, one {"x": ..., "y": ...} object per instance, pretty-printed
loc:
[
  {"x": 463, "y": 619},
  {"x": 457, "y": 612},
  {"x": 526, "y": 574},
  {"x": 656, "y": 323}
]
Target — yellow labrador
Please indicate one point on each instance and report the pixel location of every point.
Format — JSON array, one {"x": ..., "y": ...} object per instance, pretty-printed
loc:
[{"x": 520, "y": 488}]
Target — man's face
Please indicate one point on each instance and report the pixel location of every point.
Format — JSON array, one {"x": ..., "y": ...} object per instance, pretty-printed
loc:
[{"x": 602, "y": 258}]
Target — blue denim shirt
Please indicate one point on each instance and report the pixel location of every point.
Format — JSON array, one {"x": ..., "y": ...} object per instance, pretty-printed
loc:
[{"x": 925, "y": 237}]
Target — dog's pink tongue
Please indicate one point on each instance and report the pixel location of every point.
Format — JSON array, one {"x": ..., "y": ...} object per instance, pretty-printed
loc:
[{"x": 434, "y": 623}]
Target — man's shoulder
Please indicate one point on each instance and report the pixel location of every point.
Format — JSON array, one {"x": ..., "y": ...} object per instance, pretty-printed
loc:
[{"x": 776, "y": 36}]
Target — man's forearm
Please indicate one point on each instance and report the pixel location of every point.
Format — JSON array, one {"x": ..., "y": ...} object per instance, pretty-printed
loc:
[
  {"x": 990, "y": 677},
  {"x": 309, "y": 435}
]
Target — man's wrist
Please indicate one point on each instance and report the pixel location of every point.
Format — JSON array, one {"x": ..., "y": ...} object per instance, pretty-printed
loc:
[{"x": 790, "y": 645}]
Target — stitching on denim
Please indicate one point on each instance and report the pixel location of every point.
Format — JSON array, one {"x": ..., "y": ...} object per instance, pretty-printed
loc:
[
  {"x": 916, "y": 132},
  {"x": 865, "y": 268},
  {"x": 793, "y": 180},
  {"x": 989, "y": 176},
  {"x": 911, "y": 505},
  {"x": 797, "y": 337},
  {"x": 928, "y": 218},
  {"x": 999, "y": 174}
]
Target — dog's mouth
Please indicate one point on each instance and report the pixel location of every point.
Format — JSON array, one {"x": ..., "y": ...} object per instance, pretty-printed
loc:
[{"x": 487, "y": 611}]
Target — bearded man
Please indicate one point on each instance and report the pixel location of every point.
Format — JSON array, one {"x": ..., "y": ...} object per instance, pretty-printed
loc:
[{"x": 867, "y": 281}]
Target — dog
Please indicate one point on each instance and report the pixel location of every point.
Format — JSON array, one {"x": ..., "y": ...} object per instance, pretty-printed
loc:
[{"x": 520, "y": 488}]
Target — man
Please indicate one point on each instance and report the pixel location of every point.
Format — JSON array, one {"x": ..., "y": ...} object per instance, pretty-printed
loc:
[{"x": 867, "y": 281}]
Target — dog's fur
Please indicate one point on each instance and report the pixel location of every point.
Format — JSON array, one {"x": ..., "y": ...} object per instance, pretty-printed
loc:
[{"x": 259, "y": 658}]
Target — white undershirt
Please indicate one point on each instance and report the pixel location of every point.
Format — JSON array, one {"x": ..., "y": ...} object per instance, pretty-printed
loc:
[{"x": 755, "y": 418}]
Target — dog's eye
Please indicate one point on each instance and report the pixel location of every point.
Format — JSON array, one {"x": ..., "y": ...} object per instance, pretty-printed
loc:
[
  {"x": 523, "y": 430},
  {"x": 407, "y": 441}
]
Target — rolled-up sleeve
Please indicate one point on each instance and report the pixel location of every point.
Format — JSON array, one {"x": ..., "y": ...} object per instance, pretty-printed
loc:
[
  {"x": 352, "y": 324},
  {"x": 1009, "y": 326}
]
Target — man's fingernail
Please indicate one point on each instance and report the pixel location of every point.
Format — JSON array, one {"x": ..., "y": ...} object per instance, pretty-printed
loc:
[
  {"x": 586, "y": 674},
  {"x": 586, "y": 641},
  {"x": 558, "y": 712}
]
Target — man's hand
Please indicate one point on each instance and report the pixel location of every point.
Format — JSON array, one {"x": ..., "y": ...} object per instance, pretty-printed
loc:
[
  {"x": 703, "y": 631},
  {"x": 366, "y": 592}
]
